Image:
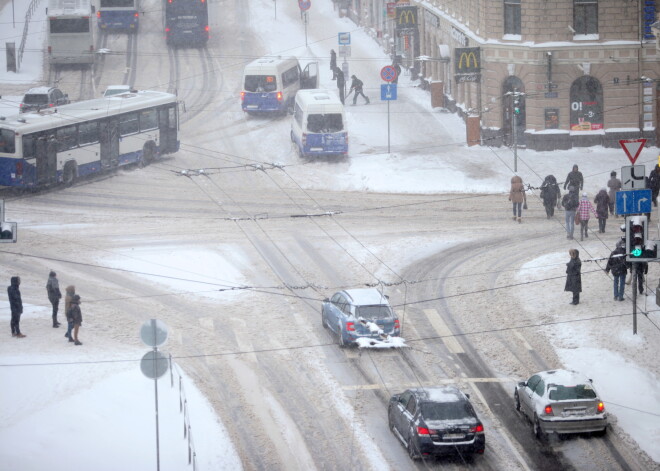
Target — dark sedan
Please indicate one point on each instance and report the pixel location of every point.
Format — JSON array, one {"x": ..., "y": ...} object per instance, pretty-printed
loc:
[{"x": 436, "y": 421}]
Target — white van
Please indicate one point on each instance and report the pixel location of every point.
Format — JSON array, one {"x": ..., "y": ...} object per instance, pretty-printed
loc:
[
  {"x": 318, "y": 126},
  {"x": 270, "y": 83}
]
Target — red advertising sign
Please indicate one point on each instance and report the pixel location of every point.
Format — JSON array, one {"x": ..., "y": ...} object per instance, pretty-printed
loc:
[{"x": 391, "y": 9}]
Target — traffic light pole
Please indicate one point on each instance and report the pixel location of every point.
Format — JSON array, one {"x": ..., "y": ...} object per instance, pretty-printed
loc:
[{"x": 634, "y": 285}]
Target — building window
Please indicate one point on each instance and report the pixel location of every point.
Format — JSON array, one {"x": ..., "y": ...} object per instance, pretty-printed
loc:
[
  {"x": 585, "y": 16},
  {"x": 511, "y": 16}
]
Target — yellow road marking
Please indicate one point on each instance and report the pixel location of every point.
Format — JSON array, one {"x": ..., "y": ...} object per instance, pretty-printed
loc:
[{"x": 441, "y": 328}]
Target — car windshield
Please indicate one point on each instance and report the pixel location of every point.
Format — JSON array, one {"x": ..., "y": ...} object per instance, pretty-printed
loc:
[
  {"x": 374, "y": 312},
  {"x": 569, "y": 393},
  {"x": 260, "y": 83},
  {"x": 325, "y": 122},
  {"x": 445, "y": 410},
  {"x": 35, "y": 99}
]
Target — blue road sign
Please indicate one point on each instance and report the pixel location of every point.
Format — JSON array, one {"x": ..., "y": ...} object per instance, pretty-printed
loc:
[
  {"x": 633, "y": 201},
  {"x": 344, "y": 39},
  {"x": 388, "y": 92}
]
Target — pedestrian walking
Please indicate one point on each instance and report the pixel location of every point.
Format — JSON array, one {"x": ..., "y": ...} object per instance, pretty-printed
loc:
[
  {"x": 617, "y": 265},
  {"x": 654, "y": 184},
  {"x": 356, "y": 88},
  {"x": 397, "y": 68},
  {"x": 76, "y": 318},
  {"x": 574, "y": 275},
  {"x": 70, "y": 293},
  {"x": 54, "y": 295},
  {"x": 16, "y": 306},
  {"x": 574, "y": 178},
  {"x": 584, "y": 211},
  {"x": 614, "y": 185},
  {"x": 570, "y": 203},
  {"x": 641, "y": 269},
  {"x": 333, "y": 63},
  {"x": 550, "y": 195},
  {"x": 602, "y": 201},
  {"x": 341, "y": 84},
  {"x": 517, "y": 197}
]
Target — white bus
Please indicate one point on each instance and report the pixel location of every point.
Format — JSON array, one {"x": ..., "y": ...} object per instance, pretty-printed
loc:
[
  {"x": 318, "y": 126},
  {"x": 70, "y": 32},
  {"x": 58, "y": 145}
]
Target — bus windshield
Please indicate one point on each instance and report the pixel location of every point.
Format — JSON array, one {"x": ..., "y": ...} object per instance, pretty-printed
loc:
[
  {"x": 69, "y": 25},
  {"x": 7, "y": 141},
  {"x": 260, "y": 83},
  {"x": 325, "y": 122},
  {"x": 117, "y": 3}
]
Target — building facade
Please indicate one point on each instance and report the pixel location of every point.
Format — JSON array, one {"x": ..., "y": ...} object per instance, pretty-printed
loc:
[{"x": 545, "y": 74}]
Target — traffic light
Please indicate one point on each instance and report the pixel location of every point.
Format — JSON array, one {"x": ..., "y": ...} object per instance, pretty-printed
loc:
[
  {"x": 638, "y": 247},
  {"x": 516, "y": 105}
]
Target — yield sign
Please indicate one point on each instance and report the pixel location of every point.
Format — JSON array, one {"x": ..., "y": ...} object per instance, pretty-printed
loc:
[{"x": 632, "y": 148}]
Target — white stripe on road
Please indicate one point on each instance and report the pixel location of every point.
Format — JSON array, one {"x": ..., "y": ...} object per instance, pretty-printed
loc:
[{"x": 443, "y": 330}]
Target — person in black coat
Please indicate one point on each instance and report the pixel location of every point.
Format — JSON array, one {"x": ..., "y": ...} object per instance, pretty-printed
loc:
[
  {"x": 617, "y": 265},
  {"x": 16, "y": 306},
  {"x": 574, "y": 275},
  {"x": 333, "y": 63},
  {"x": 356, "y": 88},
  {"x": 341, "y": 84},
  {"x": 550, "y": 195},
  {"x": 54, "y": 295},
  {"x": 574, "y": 178},
  {"x": 654, "y": 184}
]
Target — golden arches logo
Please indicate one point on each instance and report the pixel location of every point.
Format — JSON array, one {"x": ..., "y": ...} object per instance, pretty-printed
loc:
[
  {"x": 470, "y": 57},
  {"x": 409, "y": 15}
]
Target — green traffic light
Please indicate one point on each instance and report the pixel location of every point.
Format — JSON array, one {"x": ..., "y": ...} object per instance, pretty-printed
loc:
[{"x": 637, "y": 252}]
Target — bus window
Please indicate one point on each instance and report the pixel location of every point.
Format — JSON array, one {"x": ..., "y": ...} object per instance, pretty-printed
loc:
[
  {"x": 88, "y": 133},
  {"x": 260, "y": 83},
  {"x": 325, "y": 122},
  {"x": 69, "y": 25},
  {"x": 298, "y": 115},
  {"x": 117, "y": 3},
  {"x": 66, "y": 138},
  {"x": 148, "y": 120},
  {"x": 128, "y": 124},
  {"x": 7, "y": 141},
  {"x": 291, "y": 76},
  {"x": 29, "y": 144}
]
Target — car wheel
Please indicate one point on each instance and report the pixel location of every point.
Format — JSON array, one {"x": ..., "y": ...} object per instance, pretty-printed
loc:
[
  {"x": 516, "y": 398},
  {"x": 538, "y": 431},
  {"x": 324, "y": 322},
  {"x": 148, "y": 153},
  {"x": 412, "y": 451}
]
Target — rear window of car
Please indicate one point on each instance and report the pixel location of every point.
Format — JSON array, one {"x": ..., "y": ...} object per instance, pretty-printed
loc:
[
  {"x": 325, "y": 122},
  {"x": 374, "y": 312},
  {"x": 571, "y": 393},
  {"x": 260, "y": 83},
  {"x": 40, "y": 99},
  {"x": 446, "y": 410}
]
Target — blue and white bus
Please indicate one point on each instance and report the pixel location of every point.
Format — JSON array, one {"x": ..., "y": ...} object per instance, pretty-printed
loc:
[
  {"x": 118, "y": 15},
  {"x": 58, "y": 145},
  {"x": 186, "y": 22},
  {"x": 70, "y": 32},
  {"x": 318, "y": 126}
]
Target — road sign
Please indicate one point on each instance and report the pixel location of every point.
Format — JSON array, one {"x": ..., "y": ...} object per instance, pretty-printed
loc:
[
  {"x": 304, "y": 4},
  {"x": 343, "y": 39},
  {"x": 633, "y": 177},
  {"x": 633, "y": 202},
  {"x": 388, "y": 91},
  {"x": 388, "y": 73},
  {"x": 154, "y": 364},
  {"x": 344, "y": 51},
  {"x": 632, "y": 148}
]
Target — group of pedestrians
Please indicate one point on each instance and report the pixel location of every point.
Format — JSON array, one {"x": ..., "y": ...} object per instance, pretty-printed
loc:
[{"x": 71, "y": 307}]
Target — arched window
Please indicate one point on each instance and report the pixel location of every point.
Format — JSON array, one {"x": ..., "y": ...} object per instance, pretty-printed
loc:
[{"x": 586, "y": 104}]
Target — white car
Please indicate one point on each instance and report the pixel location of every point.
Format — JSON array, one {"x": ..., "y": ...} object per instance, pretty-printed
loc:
[
  {"x": 561, "y": 401},
  {"x": 116, "y": 90}
]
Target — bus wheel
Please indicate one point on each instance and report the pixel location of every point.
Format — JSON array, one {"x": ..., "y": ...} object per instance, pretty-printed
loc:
[
  {"x": 148, "y": 152},
  {"x": 69, "y": 174}
]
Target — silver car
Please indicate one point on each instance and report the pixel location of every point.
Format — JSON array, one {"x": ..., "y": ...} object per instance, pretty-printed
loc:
[{"x": 561, "y": 401}]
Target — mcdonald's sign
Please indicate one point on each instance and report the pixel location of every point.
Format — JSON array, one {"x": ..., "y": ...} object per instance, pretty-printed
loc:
[
  {"x": 406, "y": 18},
  {"x": 467, "y": 60}
]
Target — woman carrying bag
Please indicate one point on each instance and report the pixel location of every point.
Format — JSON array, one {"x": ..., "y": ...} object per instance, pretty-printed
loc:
[{"x": 517, "y": 197}]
